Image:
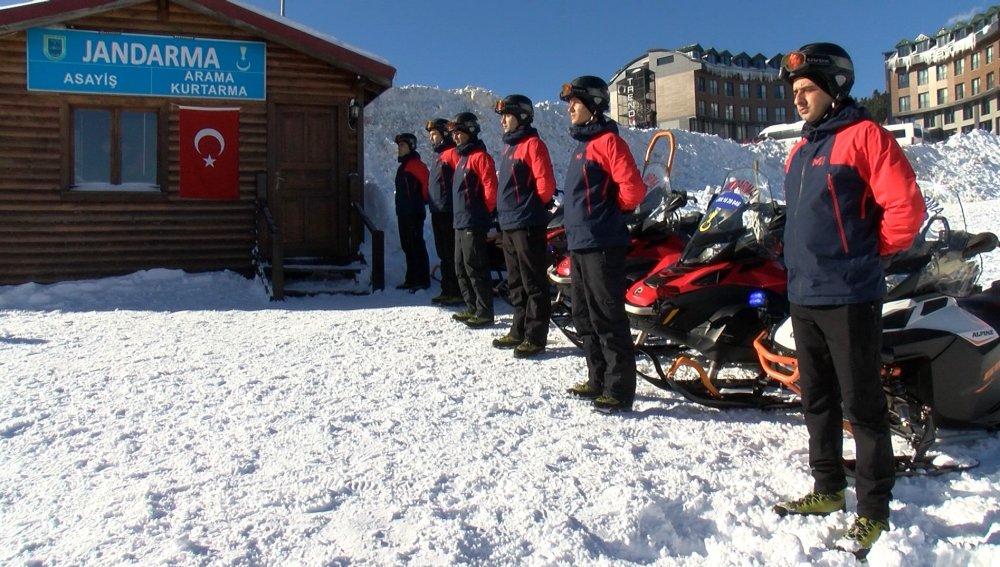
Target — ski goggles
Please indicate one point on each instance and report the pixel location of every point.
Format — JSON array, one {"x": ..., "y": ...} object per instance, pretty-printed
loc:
[
  {"x": 435, "y": 125},
  {"x": 798, "y": 63},
  {"x": 457, "y": 127},
  {"x": 500, "y": 108},
  {"x": 570, "y": 91}
]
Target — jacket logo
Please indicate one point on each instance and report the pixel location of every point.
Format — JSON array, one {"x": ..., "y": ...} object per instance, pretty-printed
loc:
[
  {"x": 818, "y": 162},
  {"x": 578, "y": 156}
]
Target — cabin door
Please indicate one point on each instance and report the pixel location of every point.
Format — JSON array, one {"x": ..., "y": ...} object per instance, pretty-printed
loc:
[{"x": 304, "y": 184}]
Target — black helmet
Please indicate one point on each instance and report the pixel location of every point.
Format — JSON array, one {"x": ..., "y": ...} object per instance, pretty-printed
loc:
[
  {"x": 591, "y": 90},
  {"x": 439, "y": 124},
  {"x": 518, "y": 105},
  {"x": 407, "y": 138},
  {"x": 465, "y": 122},
  {"x": 827, "y": 64}
]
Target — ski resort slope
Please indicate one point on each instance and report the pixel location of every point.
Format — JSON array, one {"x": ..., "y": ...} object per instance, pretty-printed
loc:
[{"x": 164, "y": 418}]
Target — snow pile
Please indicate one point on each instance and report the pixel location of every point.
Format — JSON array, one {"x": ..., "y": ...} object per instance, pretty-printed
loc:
[{"x": 165, "y": 418}]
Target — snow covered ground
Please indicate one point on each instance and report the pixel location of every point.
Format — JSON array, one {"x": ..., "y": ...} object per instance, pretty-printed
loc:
[{"x": 164, "y": 418}]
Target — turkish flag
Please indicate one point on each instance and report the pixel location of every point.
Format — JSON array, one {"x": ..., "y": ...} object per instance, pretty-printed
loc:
[{"x": 210, "y": 153}]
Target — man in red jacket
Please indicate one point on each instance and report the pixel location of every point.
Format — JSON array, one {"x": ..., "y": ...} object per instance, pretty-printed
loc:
[
  {"x": 474, "y": 198},
  {"x": 602, "y": 185},
  {"x": 442, "y": 172},
  {"x": 526, "y": 187},
  {"x": 411, "y": 196},
  {"x": 852, "y": 202}
]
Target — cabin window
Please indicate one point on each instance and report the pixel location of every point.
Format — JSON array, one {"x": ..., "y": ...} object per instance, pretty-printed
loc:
[{"x": 114, "y": 149}]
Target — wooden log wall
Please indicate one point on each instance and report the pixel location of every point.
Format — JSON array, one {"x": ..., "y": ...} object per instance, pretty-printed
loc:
[{"x": 48, "y": 233}]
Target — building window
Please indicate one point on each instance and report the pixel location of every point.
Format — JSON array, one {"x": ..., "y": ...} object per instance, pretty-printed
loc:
[
  {"x": 974, "y": 61},
  {"x": 989, "y": 55},
  {"x": 941, "y": 72},
  {"x": 779, "y": 91},
  {"x": 779, "y": 115},
  {"x": 666, "y": 60},
  {"x": 701, "y": 108},
  {"x": 114, "y": 149},
  {"x": 730, "y": 89},
  {"x": 701, "y": 84},
  {"x": 942, "y": 96},
  {"x": 904, "y": 103},
  {"x": 960, "y": 91},
  {"x": 976, "y": 86},
  {"x": 984, "y": 106},
  {"x": 761, "y": 91},
  {"x": 959, "y": 66},
  {"x": 745, "y": 113},
  {"x": 713, "y": 87},
  {"x": 762, "y": 114},
  {"x": 967, "y": 113},
  {"x": 949, "y": 116},
  {"x": 744, "y": 90},
  {"x": 990, "y": 81},
  {"x": 713, "y": 110},
  {"x": 923, "y": 100},
  {"x": 903, "y": 80},
  {"x": 730, "y": 113},
  {"x": 922, "y": 76}
]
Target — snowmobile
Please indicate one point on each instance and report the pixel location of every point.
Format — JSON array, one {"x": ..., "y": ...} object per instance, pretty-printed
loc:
[
  {"x": 703, "y": 307},
  {"x": 940, "y": 351},
  {"x": 657, "y": 227}
]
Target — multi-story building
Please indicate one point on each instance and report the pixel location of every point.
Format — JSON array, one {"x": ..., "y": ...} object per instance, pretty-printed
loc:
[
  {"x": 948, "y": 83},
  {"x": 702, "y": 90}
]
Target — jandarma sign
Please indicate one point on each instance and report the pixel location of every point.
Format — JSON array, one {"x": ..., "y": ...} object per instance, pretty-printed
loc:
[{"x": 77, "y": 61}]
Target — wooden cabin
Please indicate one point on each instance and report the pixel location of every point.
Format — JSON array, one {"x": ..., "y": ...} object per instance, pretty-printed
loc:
[{"x": 93, "y": 177}]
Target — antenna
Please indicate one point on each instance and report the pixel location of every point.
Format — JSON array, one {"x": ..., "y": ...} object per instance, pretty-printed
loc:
[{"x": 282, "y": 9}]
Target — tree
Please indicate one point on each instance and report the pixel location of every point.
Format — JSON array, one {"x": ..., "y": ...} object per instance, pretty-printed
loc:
[{"x": 877, "y": 105}]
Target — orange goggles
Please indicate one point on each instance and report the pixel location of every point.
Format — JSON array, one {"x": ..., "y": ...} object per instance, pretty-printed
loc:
[
  {"x": 500, "y": 107},
  {"x": 794, "y": 61},
  {"x": 569, "y": 91}
]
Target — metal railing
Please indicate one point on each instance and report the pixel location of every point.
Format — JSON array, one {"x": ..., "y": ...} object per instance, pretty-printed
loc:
[{"x": 378, "y": 247}]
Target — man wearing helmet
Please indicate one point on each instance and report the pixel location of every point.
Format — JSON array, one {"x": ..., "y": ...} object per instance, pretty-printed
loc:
[
  {"x": 602, "y": 185},
  {"x": 526, "y": 186},
  {"x": 411, "y": 196},
  {"x": 474, "y": 198},
  {"x": 442, "y": 172},
  {"x": 852, "y": 201}
]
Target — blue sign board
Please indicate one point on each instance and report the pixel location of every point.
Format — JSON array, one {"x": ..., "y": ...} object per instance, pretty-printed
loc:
[{"x": 76, "y": 61}]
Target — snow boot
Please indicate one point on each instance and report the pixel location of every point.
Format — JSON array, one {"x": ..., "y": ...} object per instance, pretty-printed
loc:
[
  {"x": 812, "y": 504},
  {"x": 528, "y": 349},
  {"x": 477, "y": 322},
  {"x": 464, "y": 315},
  {"x": 506, "y": 341},
  {"x": 583, "y": 390},
  {"x": 861, "y": 536},
  {"x": 608, "y": 404}
]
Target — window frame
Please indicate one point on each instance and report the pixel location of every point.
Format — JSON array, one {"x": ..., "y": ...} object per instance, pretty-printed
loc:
[{"x": 116, "y": 107}]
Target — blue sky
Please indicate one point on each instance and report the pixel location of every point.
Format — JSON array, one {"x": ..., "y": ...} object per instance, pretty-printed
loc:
[{"x": 532, "y": 47}]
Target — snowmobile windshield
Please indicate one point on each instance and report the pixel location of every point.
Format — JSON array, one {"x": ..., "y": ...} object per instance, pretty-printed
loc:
[
  {"x": 659, "y": 210},
  {"x": 944, "y": 257},
  {"x": 737, "y": 223}
]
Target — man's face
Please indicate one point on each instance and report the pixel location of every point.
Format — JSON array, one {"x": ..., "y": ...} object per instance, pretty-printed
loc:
[
  {"x": 435, "y": 137},
  {"x": 460, "y": 137},
  {"x": 811, "y": 102},
  {"x": 579, "y": 114},
  {"x": 508, "y": 122},
  {"x": 402, "y": 148}
]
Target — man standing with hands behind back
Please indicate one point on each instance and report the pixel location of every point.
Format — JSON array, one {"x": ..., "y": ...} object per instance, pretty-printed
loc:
[
  {"x": 603, "y": 184},
  {"x": 852, "y": 202}
]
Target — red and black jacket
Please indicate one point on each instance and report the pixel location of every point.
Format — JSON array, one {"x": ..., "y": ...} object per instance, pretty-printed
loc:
[
  {"x": 602, "y": 182},
  {"x": 442, "y": 172},
  {"x": 526, "y": 183},
  {"x": 411, "y": 186},
  {"x": 851, "y": 197},
  {"x": 474, "y": 188}
]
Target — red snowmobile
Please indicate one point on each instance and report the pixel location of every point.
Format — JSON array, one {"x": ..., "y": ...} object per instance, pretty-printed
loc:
[
  {"x": 658, "y": 227},
  {"x": 703, "y": 307}
]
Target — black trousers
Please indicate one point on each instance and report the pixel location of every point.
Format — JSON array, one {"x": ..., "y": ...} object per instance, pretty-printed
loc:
[
  {"x": 598, "y": 295},
  {"x": 838, "y": 350},
  {"x": 525, "y": 252},
  {"x": 472, "y": 268},
  {"x": 411, "y": 240},
  {"x": 444, "y": 245}
]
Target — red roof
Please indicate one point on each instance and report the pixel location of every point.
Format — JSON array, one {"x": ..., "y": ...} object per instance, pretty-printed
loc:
[{"x": 37, "y": 14}]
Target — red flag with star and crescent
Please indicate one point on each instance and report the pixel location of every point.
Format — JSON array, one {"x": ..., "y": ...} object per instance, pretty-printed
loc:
[{"x": 209, "y": 153}]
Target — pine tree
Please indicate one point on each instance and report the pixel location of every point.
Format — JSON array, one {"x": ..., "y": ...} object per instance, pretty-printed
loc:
[{"x": 877, "y": 105}]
